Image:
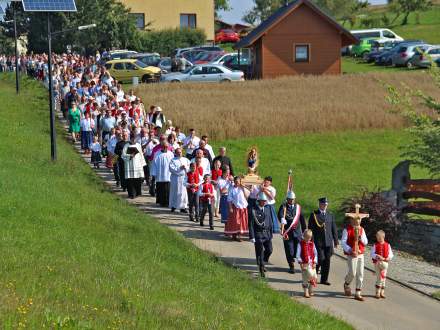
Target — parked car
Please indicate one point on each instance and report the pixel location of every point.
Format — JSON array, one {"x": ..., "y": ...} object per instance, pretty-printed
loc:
[
  {"x": 363, "y": 47},
  {"x": 205, "y": 73},
  {"x": 125, "y": 69},
  {"x": 150, "y": 59},
  {"x": 438, "y": 62},
  {"x": 165, "y": 64},
  {"x": 378, "y": 49},
  {"x": 405, "y": 52},
  {"x": 178, "y": 51},
  {"x": 424, "y": 59},
  {"x": 191, "y": 55},
  {"x": 381, "y": 35},
  {"x": 117, "y": 55},
  {"x": 230, "y": 60},
  {"x": 226, "y": 35},
  {"x": 207, "y": 57},
  {"x": 386, "y": 57}
]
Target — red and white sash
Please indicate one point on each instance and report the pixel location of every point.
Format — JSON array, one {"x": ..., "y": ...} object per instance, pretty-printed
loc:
[{"x": 295, "y": 221}]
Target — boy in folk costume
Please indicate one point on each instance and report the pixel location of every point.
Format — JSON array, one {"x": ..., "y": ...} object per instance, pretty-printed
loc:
[
  {"x": 353, "y": 242},
  {"x": 381, "y": 254},
  {"x": 192, "y": 184},
  {"x": 307, "y": 257},
  {"x": 206, "y": 201}
]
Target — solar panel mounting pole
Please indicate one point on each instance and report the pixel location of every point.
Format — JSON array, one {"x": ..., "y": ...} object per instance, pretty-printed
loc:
[
  {"x": 53, "y": 143},
  {"x": 17, "y": 77}
]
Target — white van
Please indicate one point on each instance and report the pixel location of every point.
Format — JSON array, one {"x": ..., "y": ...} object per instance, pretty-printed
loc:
[{"x": 382, "y": 36}]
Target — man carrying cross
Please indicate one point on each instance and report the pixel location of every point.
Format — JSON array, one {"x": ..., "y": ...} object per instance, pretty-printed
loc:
[{"x": 325, "y": 235}]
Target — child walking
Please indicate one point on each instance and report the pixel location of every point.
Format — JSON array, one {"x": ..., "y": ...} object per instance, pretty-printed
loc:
[
  {"x": 96, "y": 152},
  {"x": 307, "y": 257},
  {"x": 207, "y": 201},
  {"x": 354, "y": 241},
  {"x": 192, "y": 188},
  {"x": 381, "y": 254}
]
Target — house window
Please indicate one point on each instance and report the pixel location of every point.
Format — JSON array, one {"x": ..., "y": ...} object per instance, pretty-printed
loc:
[
  {"x": 188, "y": 21},
  {"x": 139, "y": 19},
  {"x": 302, "y": 53}
]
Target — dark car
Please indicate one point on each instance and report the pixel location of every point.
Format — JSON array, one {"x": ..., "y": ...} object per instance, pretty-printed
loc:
[
  {"x": 379, "y": 49},
  {"x": 150, "y": 59},
  {"x": 387, "y": 57}
]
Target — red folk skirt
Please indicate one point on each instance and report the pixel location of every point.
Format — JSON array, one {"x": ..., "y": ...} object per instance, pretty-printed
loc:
[{"x": 237, "y": 222}]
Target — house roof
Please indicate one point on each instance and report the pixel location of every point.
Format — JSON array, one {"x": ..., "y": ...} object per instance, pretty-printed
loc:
[{"x": 281, "y": 13}]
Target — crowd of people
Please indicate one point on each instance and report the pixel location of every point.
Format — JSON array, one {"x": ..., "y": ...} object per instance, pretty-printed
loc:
[{"x": 146, "y": 152}]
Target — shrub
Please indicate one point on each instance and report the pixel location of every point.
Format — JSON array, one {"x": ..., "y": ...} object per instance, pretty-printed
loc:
[
  {"x": 383, "y": 214},
  {"x": 165, "y": 41}
]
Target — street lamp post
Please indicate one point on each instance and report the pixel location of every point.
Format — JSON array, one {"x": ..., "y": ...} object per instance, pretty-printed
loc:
[
  {"x": 17, "y": 77},
  {"x": 53, "y": 146}
]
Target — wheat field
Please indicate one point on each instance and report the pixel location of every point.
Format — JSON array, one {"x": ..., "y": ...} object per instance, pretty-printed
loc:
[{"x": 284, "y": 106}]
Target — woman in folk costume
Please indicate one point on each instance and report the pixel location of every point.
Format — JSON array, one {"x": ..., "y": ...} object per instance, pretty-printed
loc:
[
  {"x": 381, "y": 254},
  {"x": 224, "y": 183},
  {"x": 307, "y": 258},
  {"x": 134, "y": 163},
  {"x": 178, "y": 196},
  {"x": 216, "y": 173},
  {"x": 238, "y": 213},
  {"x": 270, "y": 193}
]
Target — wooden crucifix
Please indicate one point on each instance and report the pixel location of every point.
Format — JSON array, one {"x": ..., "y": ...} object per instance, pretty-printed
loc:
[{"x": 357, "y": 217}]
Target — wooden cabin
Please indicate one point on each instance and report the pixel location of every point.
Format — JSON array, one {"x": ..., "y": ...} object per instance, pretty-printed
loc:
[{"x": 299, "y": 38}]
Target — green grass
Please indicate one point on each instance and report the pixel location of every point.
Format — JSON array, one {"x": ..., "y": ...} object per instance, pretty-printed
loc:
[
  {"x": 436, "y": 294},
  {"x": 76, "y": 256},
  {"x": 334, "y": 165},
  {"x": 353, "y": 65}
]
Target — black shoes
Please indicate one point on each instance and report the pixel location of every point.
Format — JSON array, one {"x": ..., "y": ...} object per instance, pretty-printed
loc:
[
  {"x": 211, "y": 227},
  {"x": 325, "y": 283},
  {"x": 173, "y": 209},
  {"x": 183, "y": 211}
]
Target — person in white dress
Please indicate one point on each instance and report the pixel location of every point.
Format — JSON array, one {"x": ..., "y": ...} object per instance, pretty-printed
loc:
[{"x": 178, "y": 196}]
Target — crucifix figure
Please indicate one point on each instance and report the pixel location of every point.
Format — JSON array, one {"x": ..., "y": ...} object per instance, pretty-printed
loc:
[{"x": 357, "y": 218}]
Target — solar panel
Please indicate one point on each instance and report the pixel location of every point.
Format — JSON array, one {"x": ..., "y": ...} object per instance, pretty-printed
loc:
[
  {"x": 49, "y": 5},
  {"x": 2, "y": 11}
]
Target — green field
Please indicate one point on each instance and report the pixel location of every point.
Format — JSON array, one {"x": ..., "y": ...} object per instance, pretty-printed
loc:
[
  {"x": 76, "y": 256},
  {"x": 333, "y": 165},
  {"x": 353, "y": 65}
]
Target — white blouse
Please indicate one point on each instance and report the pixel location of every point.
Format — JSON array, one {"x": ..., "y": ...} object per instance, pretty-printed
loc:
[{"x": 237, "y": 197}]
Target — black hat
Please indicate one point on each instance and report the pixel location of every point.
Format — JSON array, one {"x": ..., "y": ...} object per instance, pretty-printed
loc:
[{"x": 323, "y": 200}]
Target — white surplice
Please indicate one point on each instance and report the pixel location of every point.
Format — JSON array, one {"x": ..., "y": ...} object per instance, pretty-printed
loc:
[
  {"x": 178, "y": 194},
  {"x": 134, "y": 166},
  {"x": 161, "y": 166}
]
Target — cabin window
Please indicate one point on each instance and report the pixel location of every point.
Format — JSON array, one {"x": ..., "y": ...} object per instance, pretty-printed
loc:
[
  {"x": 188, "y": 21},
  {"x": 302, "y": 53}
]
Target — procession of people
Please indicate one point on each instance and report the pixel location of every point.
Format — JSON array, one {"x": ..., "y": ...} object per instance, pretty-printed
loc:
[{"x": 148, "y": 155}]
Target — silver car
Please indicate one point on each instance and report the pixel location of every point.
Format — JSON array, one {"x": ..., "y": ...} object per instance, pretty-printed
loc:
[
  {"x": 405, "y": 52},
  {"x": 426, "y": 58},
  {"x": 205, "y": 73}
]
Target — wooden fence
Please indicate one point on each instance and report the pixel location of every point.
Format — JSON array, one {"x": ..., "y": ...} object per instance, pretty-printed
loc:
[{"x": 416, "y": 196}]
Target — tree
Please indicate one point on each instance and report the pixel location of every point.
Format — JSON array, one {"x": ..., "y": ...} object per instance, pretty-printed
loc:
[
  {"x": 115, "y": 27},
  {"x": 424, "y": 149},
  {"x": 406, "y": 7},
  {"x": 222, "y": 5},
  {"x": 339, "y": 9}
]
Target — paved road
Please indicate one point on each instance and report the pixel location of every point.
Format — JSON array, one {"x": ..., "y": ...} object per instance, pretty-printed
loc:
[{"x": 403, "y": 308}]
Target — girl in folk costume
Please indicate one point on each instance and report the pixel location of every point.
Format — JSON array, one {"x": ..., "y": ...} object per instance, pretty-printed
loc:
[
  {"x": 381, "y": 254},
  {"x": 270, "y": 193},
  {"x": 307, "y": 258},
  {"x": 192, "y": 183},
  {"x": 206, "y": 201},
  {"x": 96, "y": 152},
  {"x": 216, "y": 173},
  {"x": 223, "y": 185},
  {"x": 353, "y": 242},
  {"x": 238, "y": 213}
]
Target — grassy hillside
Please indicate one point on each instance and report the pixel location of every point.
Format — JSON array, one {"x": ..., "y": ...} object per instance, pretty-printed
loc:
[
  {"x": 333, "y": 165},
  {"x": 75, "y": 256},
  {"x": 290, "y": 105}
]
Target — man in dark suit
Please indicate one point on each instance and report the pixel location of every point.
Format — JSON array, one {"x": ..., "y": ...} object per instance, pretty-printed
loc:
[
  {"x": 261, "y": 231},
  {"x": 325, "y": 235},
  {"x": 293, "y": 225}
]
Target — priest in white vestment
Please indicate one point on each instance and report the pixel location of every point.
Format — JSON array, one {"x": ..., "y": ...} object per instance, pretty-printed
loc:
[
  {"x": 179, "y": 166},
  {"x": 162, "y": 174},
  {"x": 134, "y": 163}
]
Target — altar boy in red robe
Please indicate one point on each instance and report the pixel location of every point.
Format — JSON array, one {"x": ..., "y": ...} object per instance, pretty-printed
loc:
[
  {"x": 307, "y": 258},
  {"x": 381, "y": 254},
  {"x": 207, "y": 200}
]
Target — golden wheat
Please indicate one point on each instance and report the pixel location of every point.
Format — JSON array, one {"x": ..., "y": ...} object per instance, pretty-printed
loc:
[{"x": 283, "y": 106}]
